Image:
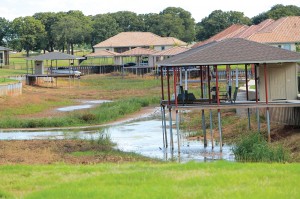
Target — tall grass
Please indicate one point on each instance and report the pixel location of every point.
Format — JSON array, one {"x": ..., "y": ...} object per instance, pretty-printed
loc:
[{"x": 254, "y": 148}]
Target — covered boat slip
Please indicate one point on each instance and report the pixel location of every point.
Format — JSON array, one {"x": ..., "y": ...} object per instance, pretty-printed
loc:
[
  {"x": 38, "y": 71},
  {"x": 275, "y": 77}
]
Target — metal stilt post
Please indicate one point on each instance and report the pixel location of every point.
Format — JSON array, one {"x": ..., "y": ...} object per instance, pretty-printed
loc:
[
  {"x": 178, "y": 133},
  {"x": 211, "y": 129},
  {"x": 204, "y": 128},
  {"x": 220, "y": 129},
  {"x": 162, "y": 126},
  {"x": 268, "y": 123},
  {"x": 171, "y": 132}
]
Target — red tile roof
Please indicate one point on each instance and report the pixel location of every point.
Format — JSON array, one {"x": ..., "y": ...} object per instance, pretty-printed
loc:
[
  {"x": 227, "y": 33},
  {"x": 286, "y": 29},
  {"x": 283, "y": 30},
  {"x": 171, "y": 51}
]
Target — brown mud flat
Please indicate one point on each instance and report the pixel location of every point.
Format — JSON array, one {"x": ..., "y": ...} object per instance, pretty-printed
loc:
[{"x": 31, "y": 152}]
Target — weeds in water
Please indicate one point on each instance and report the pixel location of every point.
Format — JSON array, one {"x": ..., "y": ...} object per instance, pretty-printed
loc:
[{"x": 254, "y": 148}]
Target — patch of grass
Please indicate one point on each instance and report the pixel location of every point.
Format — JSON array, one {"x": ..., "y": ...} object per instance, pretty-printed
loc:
[
  {"x": 101, "y": 114},
  {"x": 152, "y": 180},
  {"x": 254, "y": 148},
  {"x": 11, "y": 72},
  {"x": 4, "y": 81}
]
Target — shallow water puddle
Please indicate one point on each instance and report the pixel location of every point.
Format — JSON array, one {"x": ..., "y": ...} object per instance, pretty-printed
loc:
[
  {"x": 143, "y": 137},
  {"x": 85, "y": 105}
]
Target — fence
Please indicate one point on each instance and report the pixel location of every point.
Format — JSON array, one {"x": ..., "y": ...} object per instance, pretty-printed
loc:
[{"x": 14, "y": 89}]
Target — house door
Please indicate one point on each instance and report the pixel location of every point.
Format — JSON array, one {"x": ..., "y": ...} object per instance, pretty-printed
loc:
[{"x": 277, "y": 84}]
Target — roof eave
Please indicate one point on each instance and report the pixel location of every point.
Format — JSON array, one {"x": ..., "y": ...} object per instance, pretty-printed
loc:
[{"x": 230, "y": 63}]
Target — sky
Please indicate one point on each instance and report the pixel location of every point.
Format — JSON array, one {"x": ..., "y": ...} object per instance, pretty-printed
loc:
[{"x": 11, "y": 9}]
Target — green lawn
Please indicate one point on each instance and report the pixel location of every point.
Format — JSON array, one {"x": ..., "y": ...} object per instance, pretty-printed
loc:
[
  {"x": 4, "y": 72},
  {"x": 151, "y": 180}
]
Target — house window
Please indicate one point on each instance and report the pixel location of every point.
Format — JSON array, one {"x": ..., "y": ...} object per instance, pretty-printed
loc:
[
  {"x": 163, "y": 48},
  {"x": 287, "y": 46},
  {"x": 1, "y": 58}
]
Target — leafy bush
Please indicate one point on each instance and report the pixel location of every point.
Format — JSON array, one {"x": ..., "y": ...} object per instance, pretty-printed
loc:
[{"x": 254, "y": 148}]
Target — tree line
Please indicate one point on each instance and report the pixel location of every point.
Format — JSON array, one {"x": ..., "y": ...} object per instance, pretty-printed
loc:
[{"x": 63, "y": 30}]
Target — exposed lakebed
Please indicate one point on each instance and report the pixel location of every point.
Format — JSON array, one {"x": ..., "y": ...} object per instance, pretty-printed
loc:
[{"x": 142, "y": 136}]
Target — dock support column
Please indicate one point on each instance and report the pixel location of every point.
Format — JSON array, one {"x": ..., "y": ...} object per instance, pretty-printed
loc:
[
  {"x": 267, "y": 102},
  {"x": 176, "y": 105},
  {"x": 220, "y": 129},
  {"x": 178, "y": 133},
  {"x": 203, "y": 115},
  {"x": 170, "y": 111},
  {"x": 164, "y": 125},
  {"x": 256, "y": 96},
  {"x": 247, "y": 95},
  {"x": 211, "y": 129},
  {"x": 219, "y": 113}
]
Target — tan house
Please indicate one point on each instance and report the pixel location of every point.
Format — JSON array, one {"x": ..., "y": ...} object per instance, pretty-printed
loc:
[
  {"x": 125, "y": 41},
  {"x": 283, "y": 33}
]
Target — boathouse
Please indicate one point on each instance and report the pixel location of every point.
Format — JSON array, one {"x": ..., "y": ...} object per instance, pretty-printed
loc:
[{"x": 275, "y": 80}]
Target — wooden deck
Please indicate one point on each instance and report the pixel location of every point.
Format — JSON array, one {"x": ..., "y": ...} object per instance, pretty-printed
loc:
[{"x": 229, "y": 105}]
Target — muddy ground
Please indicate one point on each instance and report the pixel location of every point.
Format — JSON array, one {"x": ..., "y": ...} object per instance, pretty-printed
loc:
[{"x": 60, "y": 151}]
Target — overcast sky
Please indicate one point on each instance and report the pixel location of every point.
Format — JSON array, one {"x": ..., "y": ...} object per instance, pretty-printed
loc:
[{"x": 199, "y": 9}]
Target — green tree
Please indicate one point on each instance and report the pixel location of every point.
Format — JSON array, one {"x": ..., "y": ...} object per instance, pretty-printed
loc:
[
  {"x": 128, "y": 21},
  {"x": 72, "y": 28},
  {"x": 187, "y": 23},
  {"x": 218, "y": 21},
  {"x": 4, "y": 31},
  {"x": 104, "y": 26},
  {"x": 170, "y": 26},
  {"x": 28, "y": 32},
  {"x": 48, "y": 19},
  {"x": 276, "y": 12}
]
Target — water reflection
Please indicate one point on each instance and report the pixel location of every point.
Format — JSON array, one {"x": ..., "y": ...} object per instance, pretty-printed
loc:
[{"x": 143, "y": 137}]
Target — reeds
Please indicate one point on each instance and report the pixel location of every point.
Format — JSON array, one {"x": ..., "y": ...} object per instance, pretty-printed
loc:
[{"x": 255, "y": 148}]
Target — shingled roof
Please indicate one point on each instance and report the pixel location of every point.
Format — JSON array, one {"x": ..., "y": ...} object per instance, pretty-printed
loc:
[
  {"x": 55, "y": 56},
  {"x": 231, "y": 51},
  {"x": 138, "y": 39}
]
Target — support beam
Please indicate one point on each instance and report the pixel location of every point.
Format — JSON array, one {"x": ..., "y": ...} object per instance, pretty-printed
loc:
[
  {"x": 256, "y": 97},
  {"x": 203, "y": 115},
  {"x": 247, "y": 95},
  {"x": 170, "y": 111},
  {"x": 163, "y": 111},
  {"x": 267, "y": 101},
  {"x": 219, "y": 113}
]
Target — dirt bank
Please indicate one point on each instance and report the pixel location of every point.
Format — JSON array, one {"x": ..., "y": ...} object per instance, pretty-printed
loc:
[{"x": 55, "y": 151}]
